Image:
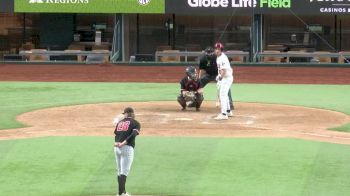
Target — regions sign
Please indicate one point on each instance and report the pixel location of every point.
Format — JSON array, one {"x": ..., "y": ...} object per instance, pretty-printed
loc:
[
  {"x": 227, "y": 7},
  {"x": 90, "y": 6}
]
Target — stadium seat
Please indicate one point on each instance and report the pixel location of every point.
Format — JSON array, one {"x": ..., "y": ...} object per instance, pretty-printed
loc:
[
  {"x": 342, "y": 59},
  {"x": 38, "y": 57},
  {"x": 323, "y": 59},
  {"x": 238, "y": 58},
  {"x": 272, "y": 59},
  {"x": 79, "y": 57},
  {"x": 97, "y": 57},
  {"x": 193, "y": 48},
  {"x": 170, "y": 58}
]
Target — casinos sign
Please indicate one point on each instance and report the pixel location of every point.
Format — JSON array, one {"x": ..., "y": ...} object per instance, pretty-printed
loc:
[{"x": 332, "y": 6}]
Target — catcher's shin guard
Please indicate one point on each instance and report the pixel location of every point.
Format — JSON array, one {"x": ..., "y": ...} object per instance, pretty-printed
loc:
[
  {"x": 199, "y": 100},
  {"x": 181, "y": 101}
]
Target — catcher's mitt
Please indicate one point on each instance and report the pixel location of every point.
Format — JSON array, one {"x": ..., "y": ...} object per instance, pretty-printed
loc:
[{"x": 190, "y": 96}]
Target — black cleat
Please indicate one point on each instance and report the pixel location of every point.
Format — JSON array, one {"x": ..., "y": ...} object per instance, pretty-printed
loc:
[
  {"x": 183, "y": 109},
  {"x": 198, "y": 110}
]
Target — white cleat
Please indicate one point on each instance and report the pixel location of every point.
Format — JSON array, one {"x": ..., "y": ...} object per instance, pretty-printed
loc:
[
  {"x": 221, "y": 117},
  {"x": 230, "y": 114},
  {"x": 125, "y": 194}
]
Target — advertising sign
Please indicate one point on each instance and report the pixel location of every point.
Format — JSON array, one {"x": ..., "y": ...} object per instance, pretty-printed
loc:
[
  {"x": 246, "y": 7},
  {"x": 187, "y": 7},
  {"x": 90, "y": 6},
  {"x": 330, "y": 6}
]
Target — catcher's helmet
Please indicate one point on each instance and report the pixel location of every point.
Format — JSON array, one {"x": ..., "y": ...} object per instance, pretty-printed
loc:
[
  {"x": 219, "y": 45},
  {"x": 191, "y": 72}
]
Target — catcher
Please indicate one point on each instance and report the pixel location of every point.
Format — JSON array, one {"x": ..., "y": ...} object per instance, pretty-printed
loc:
[{"x": 191, "y": 90}]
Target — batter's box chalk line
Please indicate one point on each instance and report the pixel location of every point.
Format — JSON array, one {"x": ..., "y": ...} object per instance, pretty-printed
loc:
[
  {"x": 250, "y": 120},
  {"x": 183, "y": 119}
]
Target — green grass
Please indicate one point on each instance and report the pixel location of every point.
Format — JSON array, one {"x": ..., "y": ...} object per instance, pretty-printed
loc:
[
  {"x": 175, "y": 166},
  {"x": 19, "y": 97}
]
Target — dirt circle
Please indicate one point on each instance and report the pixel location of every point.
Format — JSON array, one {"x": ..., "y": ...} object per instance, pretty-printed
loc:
[{"x": 166, "y": 119}]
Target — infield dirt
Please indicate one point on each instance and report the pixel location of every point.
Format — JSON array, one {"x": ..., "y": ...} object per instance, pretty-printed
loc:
[{"x": 166, "y": 119}]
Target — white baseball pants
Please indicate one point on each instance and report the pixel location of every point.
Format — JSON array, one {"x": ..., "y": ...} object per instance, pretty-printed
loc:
[
  {"x": 224, "y": 86},
  {"x": 124, "y": 157}
]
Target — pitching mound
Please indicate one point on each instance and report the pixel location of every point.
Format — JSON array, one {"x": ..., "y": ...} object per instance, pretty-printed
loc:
[{"x": 166, "y": 119}]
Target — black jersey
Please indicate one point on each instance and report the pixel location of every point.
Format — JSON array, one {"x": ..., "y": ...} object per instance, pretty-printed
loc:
[
  {"x": 190, "y": 85},
  {"x": 127, "y": 129},
  {"x": 208, "y": 63}
]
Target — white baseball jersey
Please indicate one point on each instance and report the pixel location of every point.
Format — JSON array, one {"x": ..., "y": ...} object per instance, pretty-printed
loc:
[{"x": 223, "y": 63}]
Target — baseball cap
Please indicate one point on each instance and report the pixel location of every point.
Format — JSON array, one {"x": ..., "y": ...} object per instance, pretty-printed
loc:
[{"x": 128, "y": 110}]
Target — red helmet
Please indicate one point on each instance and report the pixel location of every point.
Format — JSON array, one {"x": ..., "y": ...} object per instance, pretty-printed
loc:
[{"x": 219, "y": 45}]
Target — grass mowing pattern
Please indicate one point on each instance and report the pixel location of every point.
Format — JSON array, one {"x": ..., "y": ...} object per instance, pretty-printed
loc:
[
  {"x": 175, "y": 166},
  {"x": 20, "y": 97}
]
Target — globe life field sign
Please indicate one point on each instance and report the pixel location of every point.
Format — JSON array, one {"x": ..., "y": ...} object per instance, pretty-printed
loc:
[
  {"x": 90, "y": 6},
  {"x": 240, "y": 3},
  {"x": 225, "y": 7}
]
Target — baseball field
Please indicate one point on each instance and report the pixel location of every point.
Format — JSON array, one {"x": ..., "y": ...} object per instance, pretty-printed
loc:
[{"x": 290, "y": 134}]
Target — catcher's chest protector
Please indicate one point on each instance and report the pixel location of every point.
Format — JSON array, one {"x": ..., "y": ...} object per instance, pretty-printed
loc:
[{"x": 192, "y": 85}]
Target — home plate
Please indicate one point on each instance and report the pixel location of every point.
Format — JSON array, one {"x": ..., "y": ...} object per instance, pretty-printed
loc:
[
  {"x": 183, "y": 119},
  {"x": 249, "y": 122}
]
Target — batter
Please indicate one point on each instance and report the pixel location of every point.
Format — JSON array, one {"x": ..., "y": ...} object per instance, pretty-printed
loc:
[
  {"x": 224, "y": 81},
  {"x": 208, "y": 71}
]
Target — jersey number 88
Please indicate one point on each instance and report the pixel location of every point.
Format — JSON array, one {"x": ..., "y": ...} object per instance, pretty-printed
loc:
[{"x": 123, "y": 126}]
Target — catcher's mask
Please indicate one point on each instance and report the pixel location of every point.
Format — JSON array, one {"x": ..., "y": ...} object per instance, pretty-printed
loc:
[
  {"x": 209, "y": 51},
  {"x": 191, "y": 72}
]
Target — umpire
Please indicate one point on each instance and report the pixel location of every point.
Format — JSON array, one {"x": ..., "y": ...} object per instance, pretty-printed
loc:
[
  {"x": 125, "y": 133},
  {"x": 208, "y": 70}
]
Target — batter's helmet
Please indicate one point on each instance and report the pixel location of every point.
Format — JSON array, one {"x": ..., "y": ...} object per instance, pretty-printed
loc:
[
  {"x": 191, "y": 72},
  {"x": 219, "y": 45}
]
